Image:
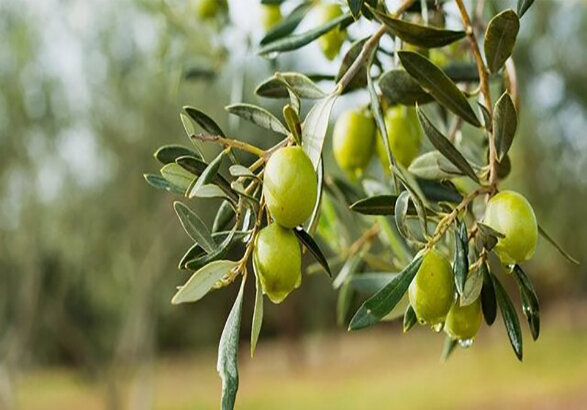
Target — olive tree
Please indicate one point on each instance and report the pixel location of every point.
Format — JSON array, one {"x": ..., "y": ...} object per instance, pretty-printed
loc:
[{"x": 412, "y": 222}]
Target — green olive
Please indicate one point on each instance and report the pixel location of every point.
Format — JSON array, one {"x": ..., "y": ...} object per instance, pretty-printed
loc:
[
  {"x": 463, "y": 322},
  {"x": 270, "y": 15},
  {"x": 404, "y": 136},
  {"x": 432, "y": 291},
  {"x": 511, "y": 214},
  {"x": 330, "y": 42},
  {"x": 353, "y": 141},
  {"x": 208, "y": 9},
  {"x": 290, "y": 186},
  {"x": 278, "y": 261}
]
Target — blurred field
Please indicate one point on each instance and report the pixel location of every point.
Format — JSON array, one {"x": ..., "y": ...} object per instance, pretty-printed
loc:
[{"x": 376, "y": 369}]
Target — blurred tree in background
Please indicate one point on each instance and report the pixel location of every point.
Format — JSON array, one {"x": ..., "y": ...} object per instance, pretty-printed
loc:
[{"x": 89, "y": 88}]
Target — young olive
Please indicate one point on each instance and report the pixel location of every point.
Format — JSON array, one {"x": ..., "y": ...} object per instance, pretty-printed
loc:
[
  {"x": 278, "y": 261},
  {"x": 270, "y": 15},
  {"x": 208, "y": 9},
  {"x": 353, "y": 141},
  {"x": 290, "y": 186},
  {"x": 511, "y": 214},
  {"x": 432, "y": 291},
  {"x": 404, "y": 136},
  {"x": 330, "y": 42},
  {"x": 463, "y": 322}
]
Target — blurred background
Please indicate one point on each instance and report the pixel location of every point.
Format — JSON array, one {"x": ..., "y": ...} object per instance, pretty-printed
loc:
[{"x": 88, "y": 251}]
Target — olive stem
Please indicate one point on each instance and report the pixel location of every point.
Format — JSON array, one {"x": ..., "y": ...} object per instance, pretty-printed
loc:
[
  {"x": 484, "y": 85},
  {"x": 229, "y": 142}
]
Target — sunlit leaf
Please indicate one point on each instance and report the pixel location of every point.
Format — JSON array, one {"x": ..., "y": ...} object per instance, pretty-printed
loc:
[
  {"x": 258, "y": 116},
  {"x": 177, "y": 176},
  {"x": 433, "y": 165},
  {"x": 315, "y": 127},
  {"x": 207, "y": 175},
  {"x": 257, "y": 313},
  {"x": 202, "y": 281},
  {"x": 157, "y": 181},
  {"x": 277, "y": 86},
  {"x": 401, "y": 213}
]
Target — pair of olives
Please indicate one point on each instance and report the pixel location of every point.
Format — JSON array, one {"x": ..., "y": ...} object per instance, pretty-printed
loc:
[
  {"x": 432, "y": 291},
  {"x": 355, "y": 138},
  {"x": 289, "y": 188}
]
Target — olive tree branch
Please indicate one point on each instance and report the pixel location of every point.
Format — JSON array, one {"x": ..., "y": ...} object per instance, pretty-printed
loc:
[{"x": 229, "y": 142}]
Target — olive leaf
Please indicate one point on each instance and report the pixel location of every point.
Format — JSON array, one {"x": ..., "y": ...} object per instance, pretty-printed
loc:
[
  {"x": 473, "y": 286},
  {"x": 279, "y": 84},
  {"x": 360, "y": 78},
  {"x": 238, "y": 170},
  {"x": 169, "y": 153},
  {"x": 227, "y": 365},
  {"x": 500, "y": 38},
  {"x": 488, "y": 300},
  {"x": 371, "y": 282},
  {"x": 313, "y": 248},
  {"x": 488, "y": 236},
  {"x": 509, "y": 316},
  {"x": 351, "y": 266},
  {"x": 292, "y": 119},
  {"x": 380, "y": 304},
  {"x": 207, "y": 175},
  {"x": 257, "y": 312},
  {"x": 223, "y": 216},
  {"x": 438, "y": 84},
  {"x": 177, "y": 176},
  {"x": 312, "y": 224},
  {"x": 288, "y": 24},
  {"x": 442, "y": 144},
  {"x": 447, "y": 348},
  {"x": 346, "y": 294},
  {"x": 203, "y": 121},
  {"x": 159, "y": 182},
  {"x": 355, "y": 7},
  {"x": 401, "y": 213},
  {"x": 410, "y": 319},
  {"x": 416, "y": 34},
  {"x": 378, "y": 205},
  {"x": 400, "y": 88},
  {"x": 487, "y": 121},
  {"x": 195, "y": 227},
  {"x": 198, "y": 167},
  {"x": 315, "y": 127},
  {"x": 437, "y": 191},
  {"x": 258, "y": 116},
  {"x": 193, "y": 258},
  {"x": 295, "y": 41},
  {"x": 461, "y": 257},
  {"x": 200, "y": 283},
  {"x": 433, "y": 165},
  {"x": 564, "y": 253},
  {"x": 523, "y": 6},
  {"x": 530, "y": 306},
  {"x": 505, "y": 122}
]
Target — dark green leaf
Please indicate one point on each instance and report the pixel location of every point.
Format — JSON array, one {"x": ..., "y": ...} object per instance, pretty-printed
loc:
[
  {"x": 488, "y": 236},
  {"x": 313, "y": 248},
  {"x": 438, "y": 84},
  {"x": 461, "y": 72},
  {"x": 442, "y": 144},
  {"x": 380, "y": 304},
  {"x": 360, "y": 78},
  {"x": 439, "y": 191},
  {"x": 500, "y": 38},
  {"x": 378, "y": 205},
  {"x": 296, "y": 41},
  {"x": 530, "y": 306},
  {"x": 169, "y": 153},
  {"x": 557, "y": 246},
  {"x": 433, "y": 165},
  {"x": 371, "y": 282},
  {"x": 487, "y": 122},
  {"x": 195, "y": 252},
  {"x": 400, "y": 88},
  {"x": 197, "y": 167},
  {"x": 448, "y": 348},
  {"x": 488, "y": 301},
  {"x": 461, "y": 257},
  {"x": 202, "y": 281},
  {"x": 227, "y": 366},
  {"x": 523, "y": 6},
  {"x": 505, "y": 122},
  {"x": 258, "y": 116},
  {"x": 195, "y": 227},
  {"x": 355, "y": 6},
  {"x": 203, "y": 121},
  {"x": 315, "y": 127},
  {"x": 159, "y": 182},
  {"x": 208, "y": 175},
  {"x": 277, "y": 86},
  {"x": 418, "y": 35},
  {"x": 220, "y": 252},
  {"x": 510, "y": 317},
  {"x": 223, "y": 216},
  {"x": 410, "y": 319},
  {"x": 288, "y": 24}
]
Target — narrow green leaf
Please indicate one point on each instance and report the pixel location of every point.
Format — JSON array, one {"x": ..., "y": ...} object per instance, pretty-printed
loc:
[
  {"x": 523, "y": 6},
  {"x": 380, "y": 304},
  {"x": 416, "y": 34},
  {"x": 438, "y": 84},
  {"x": 194, "y": 227},
  {"x": 293, "y": 122},
  {"x": 500, "y": 38},
  {"x": 437, "y": 191},
  {"x": 157, "y": 181},
  {"x": 197, "y": 167},
  {"x": 510, "y": 317},
  {"x": 355, "y": 7},
  {"x": 203, "y": 121},
  {"x": 293, "y": 42},
  {"x": 410, "y": 319},
  {"x": 530, "y": 305},
  {"x": 378, "y": 205},
  {"x": 488, "y": 236},
  {"x": 343, "y": 303},
  {"x": 487, "y": 122},
  {"x": 312, "y": 223},
  {"x": 360, "y": 78},
  {"x": 400, "y": 88},
  {"x": 220, "y": 252},
  {"x": 223, "y": 216},
  {"x": 401, "y": 213},
  {"x": 277, "y": 86},
  {"x": 227, "y": 366},
  {"x": 448, "y": 348},
  {"x": 315, "y": 127},
  {"x": 207, "y": 175},
  {"x": 442, "y": 144},
  {"x": 288, "y": 24},
  {"x": 461, "y": 257},
  {"x": 177, "y": 176},
  {"x": 258, "y": 116},
  {"x": 556, "y": 245},
  {"x": 505, "y": 122},
  {"x": 371, "y": 282},
  {"x": 238, "y": 170},
  {"x": 433, "y": 165},
  {"x": 488, "y": 301},
  {"x": 196, "y": 251},
  {"x": 169, "y": 153},
  {"x": 351, "y": 266},
  {"x": 313, "y": 248},
  {"x": 257, "y": 313},
  {"x": 473, "y": 286},
  {"x": 202, "y": 281}
]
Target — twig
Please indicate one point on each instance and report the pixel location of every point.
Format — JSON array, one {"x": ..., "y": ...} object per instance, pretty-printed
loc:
[{"x": 228, "y": 142}]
